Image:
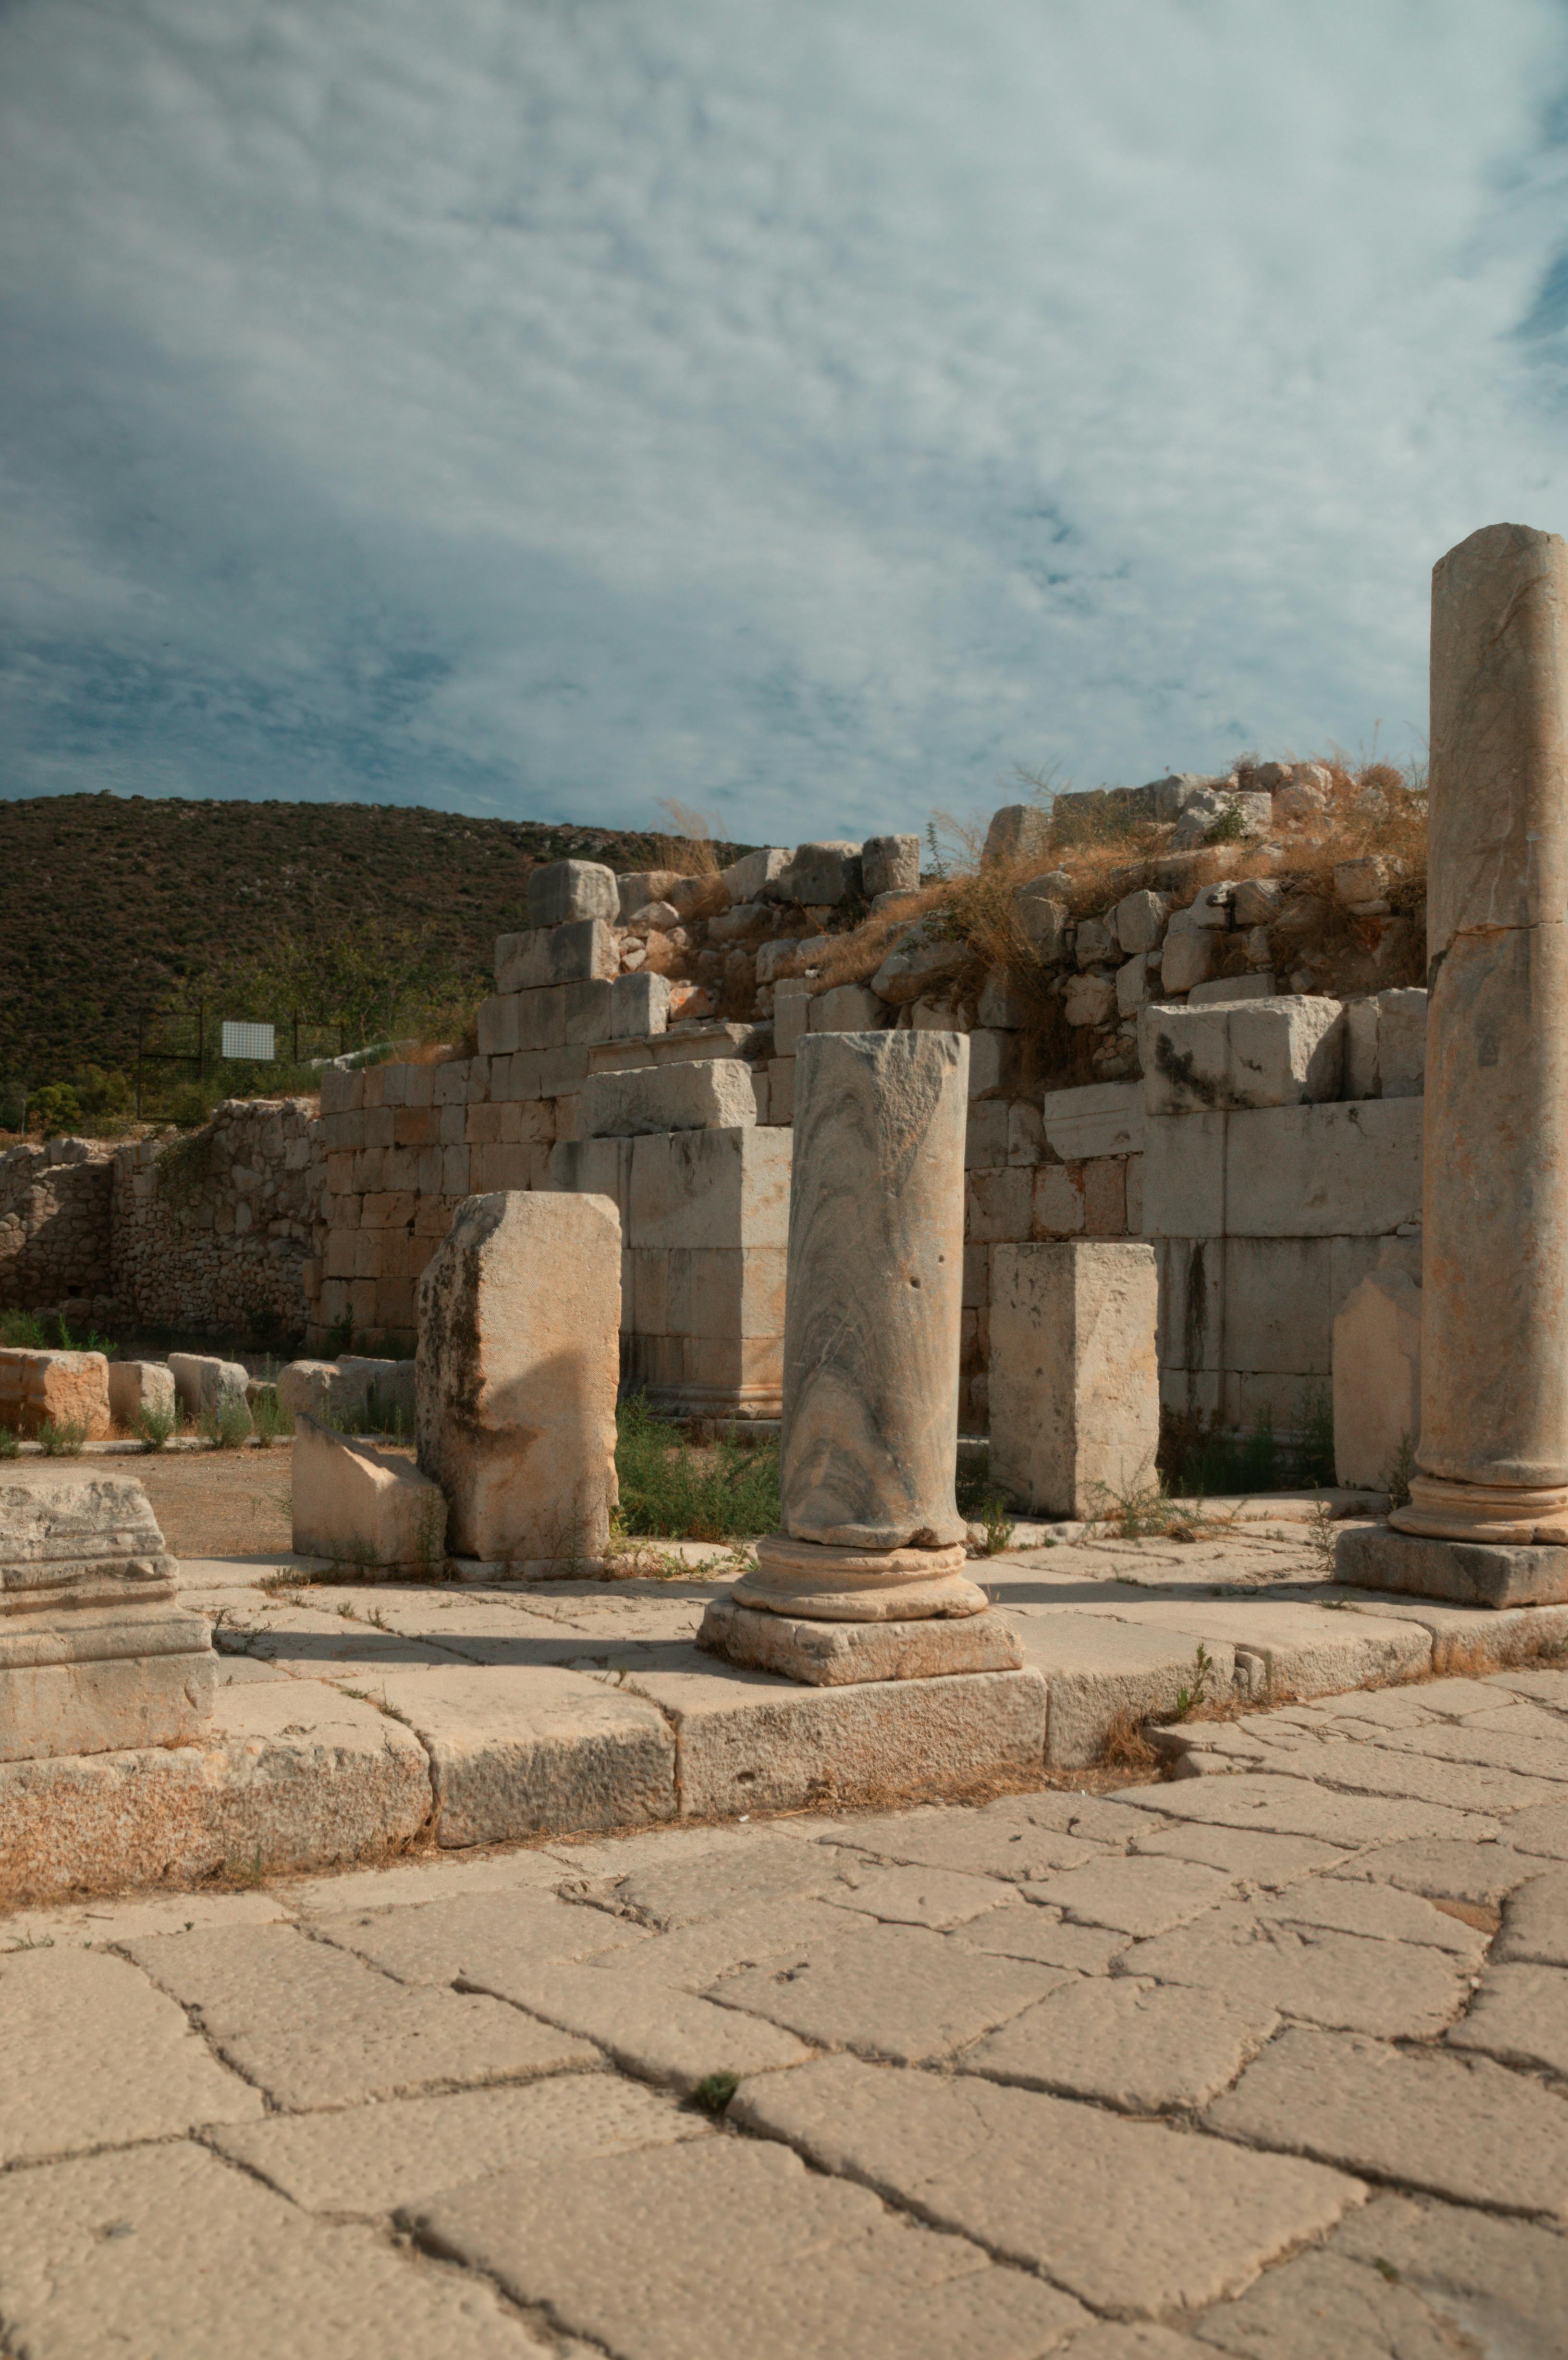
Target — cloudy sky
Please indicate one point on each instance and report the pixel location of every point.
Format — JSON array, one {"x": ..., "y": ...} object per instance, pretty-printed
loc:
[{"x": 806, "y": 409}]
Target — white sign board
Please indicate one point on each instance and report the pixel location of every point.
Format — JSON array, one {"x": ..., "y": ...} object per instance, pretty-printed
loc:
[{"x": 257, "y": 1041}]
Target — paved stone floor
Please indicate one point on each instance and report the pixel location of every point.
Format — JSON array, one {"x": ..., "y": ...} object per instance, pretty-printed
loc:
[{"x": 1267, "y": 2060}]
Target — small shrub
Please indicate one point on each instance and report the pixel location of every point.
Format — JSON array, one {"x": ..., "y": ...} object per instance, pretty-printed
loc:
[
  {"x": 1229, "y": 828},
  {"x": 1397, "y": 1481},
  {"x": 10, "y": 1444},
  {"x": 996, "y": 1523},
  {"x": 714, "y": 2091},
  {"x": 228, "y": 1425},
  {"x": 21, "y": 1331},
  {"x": 154, "y": 1426},
  {"x": 270, "y": 1419},
  {"x": 63, "y": 1437},
  {"x": 670, "y": 1492}
]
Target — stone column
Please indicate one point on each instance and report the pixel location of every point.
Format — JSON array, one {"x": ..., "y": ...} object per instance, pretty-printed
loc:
[
  {"x": 867, "y": 1580},
  {"x": 1490, "y": 1483}
]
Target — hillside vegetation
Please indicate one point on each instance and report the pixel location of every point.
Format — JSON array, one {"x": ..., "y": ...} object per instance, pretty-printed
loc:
[{"x": 118, "y": 908}]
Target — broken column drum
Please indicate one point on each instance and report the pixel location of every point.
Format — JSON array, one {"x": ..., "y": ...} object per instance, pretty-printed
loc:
[
  {"x": 866, "y": 1580},
  {"x": 1488, "y": 1505}
]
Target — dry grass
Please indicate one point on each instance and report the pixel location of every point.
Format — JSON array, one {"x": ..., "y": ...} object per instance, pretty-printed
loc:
[{"x": 689, "y": 850}]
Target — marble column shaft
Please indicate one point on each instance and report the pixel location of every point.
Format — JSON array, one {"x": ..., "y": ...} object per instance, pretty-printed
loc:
[
  {"x": 1492, "y": 1462},
  {"x": 875, "y": 1290}
]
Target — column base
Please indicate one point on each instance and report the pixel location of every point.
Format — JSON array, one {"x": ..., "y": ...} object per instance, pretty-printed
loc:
[
  {"x": 1459, "y": 1572},
  {"x": 823, "y": 1584},
  {"x": 841, "y": 1654},
  {"x": 1441, "y": 1508}
]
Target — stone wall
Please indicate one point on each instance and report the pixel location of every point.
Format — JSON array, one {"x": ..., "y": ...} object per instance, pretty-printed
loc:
[
  {"x": 223, "y": 1228},
  {"x": 55, "y": 1243}
]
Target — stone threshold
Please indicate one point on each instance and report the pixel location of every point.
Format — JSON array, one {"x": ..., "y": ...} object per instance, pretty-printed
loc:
[{"x": 340, "y": 1762}]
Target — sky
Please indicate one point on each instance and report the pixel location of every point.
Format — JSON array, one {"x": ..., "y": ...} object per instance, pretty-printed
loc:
[{"x": 812, "y": 412}]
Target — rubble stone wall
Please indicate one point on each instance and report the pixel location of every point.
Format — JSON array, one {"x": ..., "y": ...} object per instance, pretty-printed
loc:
[
  {"x": 222, "y": 1228},
  {"x": 55, "y": 1242}
]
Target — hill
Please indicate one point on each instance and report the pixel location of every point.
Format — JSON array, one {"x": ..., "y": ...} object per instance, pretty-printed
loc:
[{"x": 114, "y": 903}]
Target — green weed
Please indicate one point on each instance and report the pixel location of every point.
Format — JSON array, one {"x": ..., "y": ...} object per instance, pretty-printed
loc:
[
  {"x": 63, "y": 1437},
  {"x": 669, "y": 1491},
  {"x": 270, "y": 1419},
  {"x": 228, "y": 1425},
  {"x": 714, "y": 2091},
  {"x": 156, "y": 1425},
  {"x": 1189, "y": 1699},
  {"x": 21, "y": 1331},
  {"x": 10, "y": 1444}
]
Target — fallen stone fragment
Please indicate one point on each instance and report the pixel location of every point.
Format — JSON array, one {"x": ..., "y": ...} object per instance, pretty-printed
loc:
[
  {"x": 365, "y": 1510},
  {"x": 1132, "y": 2217}
]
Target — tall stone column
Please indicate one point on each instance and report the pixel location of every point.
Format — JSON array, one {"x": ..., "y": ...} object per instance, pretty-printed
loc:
[
  {"x": 1488, "y": 1507},
  {"x": 866, "y": 1580}
]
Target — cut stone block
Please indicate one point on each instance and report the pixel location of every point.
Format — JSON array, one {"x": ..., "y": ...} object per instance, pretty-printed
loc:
[
  {"x": 1377, "y": 1378},
  {"x": 478, "y": 1939},
  {"x": 205, "y": 1382},
  {"x": 138, "y": 1385},
  {"x": 725, "y": 1188},
  {"x": 849, "y": 1008},
  {"x": 1471, "y": 1573},
  {"x": 1187, "y": 957},
  {"x": 294, "y": 1775},
  {"x": 517, "y": 1750},
  {"x": 57, "y": 1388},
  {"x": 520, "y": 1356},
  {"x": 1241, "y": 1054},
  {"x": 833, "y": 1655},
  {"x": 889, "y": 864},
  {"x": 1075, "y": 1380},
  {"x": 624, "y": 2251},
  {"x": 363, "y": 1508},
  {"x": 1140, "y": 921},
  {"x": 640, "y": 1007},
  {"x": 915, "y": 967},
  {"x": 1318, "y": 1171},
  {"x": 750, "y": 878},
  {"x": 820, "y": 875},
  {"x": 641, "y": 887},
  {"x": 1099, "y": 1119},
  {"x": 97, "y": 1652},
  {"x": 1103, "y": 1674},
  {"x": 578, "y": 952},
  {"x": 713, "y": 1095},
  {"x": 1017, "y": 832},
  {"x": 1232, "y": 988},
  {"x": 567, "y": 889},
  {"x": 1132, "y": 2216},
  {"x": 750, "y": 1742}
]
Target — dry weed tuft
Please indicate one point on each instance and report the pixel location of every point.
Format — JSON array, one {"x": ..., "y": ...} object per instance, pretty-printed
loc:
[{"x": 689, "y": 851}]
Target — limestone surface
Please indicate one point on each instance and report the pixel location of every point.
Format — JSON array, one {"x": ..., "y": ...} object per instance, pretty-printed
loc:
[
  {"x": 519, "y": 1321},
  {"x": 871, "y": 1346},
  {"x": 138, "y": 1385},
  {"x": 1074, "y": 1378},
  {"x": 362, "y": 1507},
  {"x": 57, "y": 1388},
  {"x": 1377, "y": 1377},
  {"x": 707, "y": 1094}
]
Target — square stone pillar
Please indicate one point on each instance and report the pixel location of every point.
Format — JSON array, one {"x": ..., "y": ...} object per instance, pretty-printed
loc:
[
  {"x": 866, "y": 1581},
  {"x": 1074, "y": 1374},
  {"x": 519, "y": 1321},
  {"x": 96, "y": 1654}
]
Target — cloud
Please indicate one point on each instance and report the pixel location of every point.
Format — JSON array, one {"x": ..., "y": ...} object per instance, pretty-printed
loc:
[{"x": 545, "y": 406}]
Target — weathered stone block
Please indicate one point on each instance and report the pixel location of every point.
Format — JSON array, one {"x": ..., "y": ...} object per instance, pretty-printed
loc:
[
  {"x": 1017, "y": 832},
  {"x": 749, "y": 877},
  {"x": 138, "y": 1385},
  {"x": 520, "y": 1318},
  {"x": 1043, "y": 918},
  {"x": 95, "y": 1652},
  {"x": 640, "y": 1007},
  {"x": 576, "y": 952},
  {"x": 1322, "y": 1170},
  {"x": 715, "y": 1095},
  {"x": 1470, "y": 1573},
  {"x": 1233, "y": 987},
  {"x": 205, "y": 1382},
  {"x": 567, "y": 889},
  {"x": 1241, "y": 1055},
  {"x": 594, "y": 1167},
  {"x": 1075, "y": 1387},
  {"x": 711, "y": 1188},
  {"x": 889, "y": 864},
  {"x": 791, "y": 1014},
  {"x": 910, "y": 971},
  {"x": 62, "y": 1388},
  {"x": 1141, "y": 919},
  {"x": 636, "y": 890},
  {"x": 1099, "y": 1119},
  {"x": 820, "y": 875},
  {"x": 1377, "y": 1378},
  {"x": 850, "y": 1008},
  {"x": 363, "y": 1508}
]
